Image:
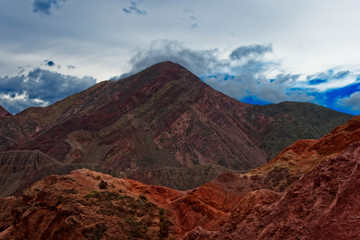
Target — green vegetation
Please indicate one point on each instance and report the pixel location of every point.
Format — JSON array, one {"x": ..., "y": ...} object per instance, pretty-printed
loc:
[
  {"x": 92, "y": 194},
  {"x": 137, "y": 228}
]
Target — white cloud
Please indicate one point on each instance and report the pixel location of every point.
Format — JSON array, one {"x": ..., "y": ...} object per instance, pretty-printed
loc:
[{"x": 351, "y": 102}]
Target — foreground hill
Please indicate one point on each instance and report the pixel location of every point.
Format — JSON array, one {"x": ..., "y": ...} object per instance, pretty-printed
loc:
[
  {"x": 90, "y": 205},
  {"x": 308, "y": 191},
  {"x": 160, "y": 120}
]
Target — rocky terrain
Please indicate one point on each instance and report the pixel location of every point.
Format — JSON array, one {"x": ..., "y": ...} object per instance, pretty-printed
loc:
[
  {"x": 91, "y": 205},
  {"x": 308, "y": 191},
  {"x": 319, "y": 202},
  {"x": 160, "y": 126}
]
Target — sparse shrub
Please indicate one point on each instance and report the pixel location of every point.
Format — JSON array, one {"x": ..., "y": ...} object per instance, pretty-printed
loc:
[
  {"x": 98, "y": 177},
  {"x": 163, "y": 225},
  {"x": 92, "y": 194},
  {"x": 161, "y": 211},
  {"x": 143, "y": 197},
  {"x": 113, "y": 196},
  {"x": 103, "y": 184},
  {"x": 71, "y": 191}
]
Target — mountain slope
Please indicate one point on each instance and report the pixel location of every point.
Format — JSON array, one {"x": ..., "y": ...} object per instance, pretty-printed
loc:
[
  {"x": 161, "y": 117},
  {"x": 293, "y": 120},
  {"x": 294, "y": 161},
  {"x": 4, "y": 113},
  {"x": 294, "y": 195},
  {"x": 321, "y": 205}
]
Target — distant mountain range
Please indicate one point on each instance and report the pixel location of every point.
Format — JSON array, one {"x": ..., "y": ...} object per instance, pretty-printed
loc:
[{"x": 163, "y": 121}]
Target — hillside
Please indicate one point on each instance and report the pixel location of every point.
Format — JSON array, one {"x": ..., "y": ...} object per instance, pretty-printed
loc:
[
  {"x": 320, "y": 204},
  {"x": 163, "y": 117},
  {"x": 296, "y": 194}
]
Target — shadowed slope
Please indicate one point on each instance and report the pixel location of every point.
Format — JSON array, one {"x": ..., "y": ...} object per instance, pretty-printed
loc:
[
  {"x": 306, "y": 192},
  {"x": 321, "y": 205}
]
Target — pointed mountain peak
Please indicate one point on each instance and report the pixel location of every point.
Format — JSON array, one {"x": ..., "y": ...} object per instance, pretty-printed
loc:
[
  {"x": 3, "y": 112},
  {"x": 167, "y": 72},
  {"x": 166, "y": 66}
]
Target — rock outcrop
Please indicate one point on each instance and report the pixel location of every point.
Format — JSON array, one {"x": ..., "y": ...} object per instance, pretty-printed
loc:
[
  {"x": 306, "y": 192},
  {"x": 90, "y": 205}
]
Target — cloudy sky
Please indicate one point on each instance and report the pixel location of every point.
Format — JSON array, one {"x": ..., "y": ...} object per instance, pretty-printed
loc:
[{"x": 263, "y": 51}]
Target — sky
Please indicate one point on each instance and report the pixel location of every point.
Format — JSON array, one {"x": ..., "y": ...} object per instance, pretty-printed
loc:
[{"x": 257, "y": 51}]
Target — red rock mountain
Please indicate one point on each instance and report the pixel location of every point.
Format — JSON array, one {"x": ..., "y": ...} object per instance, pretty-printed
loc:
[
  {"x": 91, "y": 205},
  {"x": 164, "y": 118},
  {"x": 308, "y": 191}
]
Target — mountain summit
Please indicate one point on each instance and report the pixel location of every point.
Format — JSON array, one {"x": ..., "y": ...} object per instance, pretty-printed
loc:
[{"x": 163, "y": 117}]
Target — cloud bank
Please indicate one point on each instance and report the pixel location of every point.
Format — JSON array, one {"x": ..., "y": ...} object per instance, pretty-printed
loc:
[
  {"x": 244, "y": 74},
  {"x": 39, "y": 87}
]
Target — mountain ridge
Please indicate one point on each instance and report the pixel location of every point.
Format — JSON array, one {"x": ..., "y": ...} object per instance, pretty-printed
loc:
[{"x": 164, "y": 116}]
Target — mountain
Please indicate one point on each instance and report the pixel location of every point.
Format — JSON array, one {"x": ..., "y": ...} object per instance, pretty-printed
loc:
[
  {"x": 317, "y": 203},
  {"x": 159, "y": 119},
  {"x": 294, "y": 161}
]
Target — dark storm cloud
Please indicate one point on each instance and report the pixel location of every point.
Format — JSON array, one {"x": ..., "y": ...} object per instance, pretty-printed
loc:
[
  {"x": 44, "y": 6},
  {"x": 38, "y": 88},
  {"x": 49, "y": 63},
  {"x": 251, "y": 50},
  {"x": 133, "y": 9}
]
